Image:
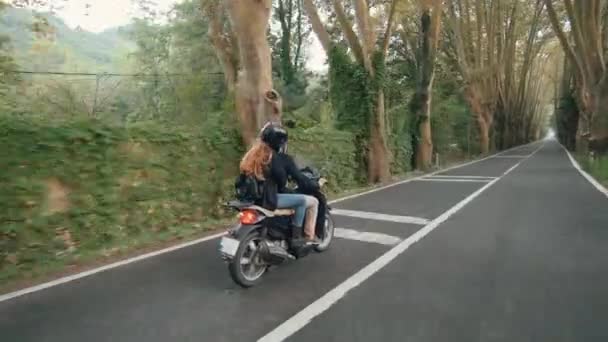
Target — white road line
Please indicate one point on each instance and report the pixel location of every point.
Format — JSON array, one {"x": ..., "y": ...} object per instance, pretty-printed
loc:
[
  {"x": 459, "y": 176},
  {"x": 431, "y": 179},
  {"x": 84, "y": 274},
  {"x": 380, "y": 238},
  {"x": 519, "y": 148},
  {"x": 587, "y": 176},
  {"x": 302, "y": 318},
  {"x": 426, "y": 175},
  {"x": 103, "y": 268},
  {"x": 380, "y": 217},
  {"x": 512, "y": 156}
]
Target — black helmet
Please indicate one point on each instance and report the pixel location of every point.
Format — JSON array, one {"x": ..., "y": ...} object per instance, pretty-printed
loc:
[{"x": 274, "y": 136}]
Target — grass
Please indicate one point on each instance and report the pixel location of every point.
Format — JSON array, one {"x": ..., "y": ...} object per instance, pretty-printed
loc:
[
  {"x": 597, "y": 168},
  {"x": 14, "y": 277}
]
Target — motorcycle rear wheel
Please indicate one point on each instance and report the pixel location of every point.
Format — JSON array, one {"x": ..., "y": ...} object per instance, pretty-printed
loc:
[
  {"x": 328, "y": 235},
  {"x": 247, "y": 266}
]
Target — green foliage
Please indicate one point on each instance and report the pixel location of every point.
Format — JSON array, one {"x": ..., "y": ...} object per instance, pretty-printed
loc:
[
  {"x": 8, "y": 80},
  {"x": 400, "y": 138},
  {"x": 42, "y": 42},
  {"x": 350, "y": 92},
  {"x": 119, "y": 183},
  {"x": 59, "y": 47},
  {"x": 78, "y": 187},
  {"x": 452, "y": 124},
  {"x": 333, "y": 152},
  {"x": 293, "y": 94},
  {"x": 352, "y": 95},
  {"x": 316, "y": 108},
  {"x": 288, "y": 51},
  {"x": 187, "y": 87},
  {"x": 566, "y": 120},
  {"x": 179, "y": 48}
]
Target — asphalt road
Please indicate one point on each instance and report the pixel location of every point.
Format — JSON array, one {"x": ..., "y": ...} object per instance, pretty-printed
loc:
[{"x": 517, "y": 250}]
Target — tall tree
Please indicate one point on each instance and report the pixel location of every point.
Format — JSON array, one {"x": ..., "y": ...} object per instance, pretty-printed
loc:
[
  {"x": 585, "y": 49},
  {"x": 246, "y": 34},
  {"x": 495, "y": 44},
  {"x": 369, "y": 52},
  {"x": 180, "y": 46},
  {"x": 292, "y": 38},
  {"x": 565, "y": 107},
  {"x": 521, "y": 82},
  {"x": 477, "y": 33},
  {"x": 288, "y": 38},
  {"x": 223, "y": 39},
  {"x": 430, "y": 23}
]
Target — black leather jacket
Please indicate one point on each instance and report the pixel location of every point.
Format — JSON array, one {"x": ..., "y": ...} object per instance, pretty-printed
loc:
[{"x": 280, "y": 169}]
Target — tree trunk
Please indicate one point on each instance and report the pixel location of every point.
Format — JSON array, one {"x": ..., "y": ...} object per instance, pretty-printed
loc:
[
  {"x": 256, "y": 101},
  {"x": 225, "y": 51},
  {"x": 599, "y": 118},
  {"x": 422, "y": 99},
  {"x": 421, "y": 103},
  {"x": 484, "y": 135},
  {"x": 285, "y": 14},
  {"x": 317, "y": 25},
  {"x": 481, "y": 116},
  {"x": 424, "y": 150},
  {"x": 363, "y": 47},
  {"x": 379, "y": 158},
  {"x": 587, "y": 57}
]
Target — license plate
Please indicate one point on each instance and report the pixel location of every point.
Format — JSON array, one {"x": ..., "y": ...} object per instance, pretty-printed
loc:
[{"x": 228, "y": 246}]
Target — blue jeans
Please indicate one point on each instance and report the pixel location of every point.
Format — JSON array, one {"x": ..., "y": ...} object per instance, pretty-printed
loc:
[{"x": 293, "y": 201}]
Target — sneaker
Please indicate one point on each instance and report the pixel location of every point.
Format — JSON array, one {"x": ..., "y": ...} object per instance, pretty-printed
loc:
[{"x": 314, "y": 241}]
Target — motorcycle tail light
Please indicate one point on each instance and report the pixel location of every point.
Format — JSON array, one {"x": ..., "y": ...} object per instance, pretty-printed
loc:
[{"x": 249, "y": 217}]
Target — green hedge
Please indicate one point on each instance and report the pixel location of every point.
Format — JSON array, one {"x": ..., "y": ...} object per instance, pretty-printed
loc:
[{"x": 81, "y": 188}]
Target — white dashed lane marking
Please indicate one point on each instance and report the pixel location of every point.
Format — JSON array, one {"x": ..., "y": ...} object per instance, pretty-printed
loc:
[
  {"x": 380, "y": 217},
  {"x": 351, "y": 234},
  {"x": 454, "y": 179}
]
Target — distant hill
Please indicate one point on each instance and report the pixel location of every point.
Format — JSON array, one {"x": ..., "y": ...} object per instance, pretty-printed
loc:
[{"x": 65, "y": 49}]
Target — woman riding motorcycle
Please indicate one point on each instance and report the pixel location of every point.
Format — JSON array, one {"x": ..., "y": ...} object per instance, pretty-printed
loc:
[{"x": 266, "y": 162}]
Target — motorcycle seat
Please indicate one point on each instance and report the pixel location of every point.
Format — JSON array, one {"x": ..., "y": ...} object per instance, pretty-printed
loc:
[
  {"x": 284, "y": 212},
  {"x": 273, "y": 213}
]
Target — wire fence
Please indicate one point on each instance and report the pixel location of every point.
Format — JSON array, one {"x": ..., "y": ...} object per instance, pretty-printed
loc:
[
  {"x": 106, "y": 74},
  {"x": 96, "y": 89}
]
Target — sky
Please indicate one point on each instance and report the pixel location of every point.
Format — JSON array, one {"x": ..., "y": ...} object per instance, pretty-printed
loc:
[{"x": 104, "y": 14}]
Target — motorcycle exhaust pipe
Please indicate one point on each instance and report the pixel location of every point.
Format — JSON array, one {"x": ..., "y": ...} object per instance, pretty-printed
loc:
[{"x": 273, "y": 254}]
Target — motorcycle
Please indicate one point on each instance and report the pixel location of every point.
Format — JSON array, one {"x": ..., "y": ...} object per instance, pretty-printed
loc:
[{"x": 264, "y": 238}]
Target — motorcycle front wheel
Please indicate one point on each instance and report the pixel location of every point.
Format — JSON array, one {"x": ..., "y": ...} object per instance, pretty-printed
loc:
[{"x": 247, "y": 267}]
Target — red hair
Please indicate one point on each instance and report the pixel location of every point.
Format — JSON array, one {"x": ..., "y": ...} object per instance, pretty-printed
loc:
[{"x": 254, "y": 162}]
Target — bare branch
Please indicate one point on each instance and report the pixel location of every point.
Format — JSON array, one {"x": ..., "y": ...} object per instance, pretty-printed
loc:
[
  {"x": 317, "y": 25},
  {"x": 389, "y": 27},
  {"x": 347, "y": 28},
  {"x": 568, "y": 49}
]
